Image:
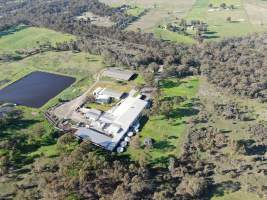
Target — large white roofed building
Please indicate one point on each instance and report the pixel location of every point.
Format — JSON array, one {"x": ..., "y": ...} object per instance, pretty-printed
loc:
[
  {"x": 115, "y": 123},
  {"x": 129, "y": 111}
]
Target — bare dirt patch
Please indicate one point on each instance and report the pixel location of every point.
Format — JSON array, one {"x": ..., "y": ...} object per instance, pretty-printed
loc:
[
  {"x": 257, "y": 12},
  {"x": 96, "y": 20}
]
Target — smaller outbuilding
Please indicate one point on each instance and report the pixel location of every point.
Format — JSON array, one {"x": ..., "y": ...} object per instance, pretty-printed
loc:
[
  {"x": 113, "y": 94},
  {"x": 105, "y": 95},
  {"x": 119, "y": 74}
]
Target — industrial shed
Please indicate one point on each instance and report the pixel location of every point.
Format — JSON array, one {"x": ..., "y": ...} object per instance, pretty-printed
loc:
[
  {"x": 108, "y": 129},
  {"x": 119, "y": 74}
]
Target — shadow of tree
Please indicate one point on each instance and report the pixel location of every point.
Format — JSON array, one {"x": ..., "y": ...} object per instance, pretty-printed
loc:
[
  {"x": 12, "y": 30},
  {"x": 183, "y": 112},
  {"x": 163, "y": 161},
  {"x": 163, "y": 145},
  {"x": 219, "y": 189},
  {"x": 210, "y": 35},
  {"x": 171, "y": 83},
  {"x": 16, "y": 124},
  {"x": 172, "y": 137},
  {"x": 143, "y": 122}
]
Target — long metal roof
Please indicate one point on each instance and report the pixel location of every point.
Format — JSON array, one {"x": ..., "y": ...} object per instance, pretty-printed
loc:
[
  {"x": 118, "y": 74},
  {"x": 112, "y": 93},
  {"x": 96, "y": 138}
]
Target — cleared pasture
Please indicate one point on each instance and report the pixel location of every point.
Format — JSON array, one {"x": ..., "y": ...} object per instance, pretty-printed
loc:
[
  {"x": 28, "y": 37},
  {"x": 168, "y": 134},
  {"x": 257, "y": 11},
  {"x": 216, "y": 18},
  {"x": 82, "y": 66},
  {"x": 160, "y": 11},
  {"x": 248, "y": 16}
]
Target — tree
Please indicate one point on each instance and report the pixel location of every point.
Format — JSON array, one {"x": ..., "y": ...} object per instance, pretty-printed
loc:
[
  {"x": 149, "y": 78},
  {"x": 144, "y": 158},
  {"x": 90, "y": 99},
  {"x": 135, "y": 142},
  {"x": 166, "y": 108},
  {"x": 194, "y": 186},
  {"x": 148, "y": 142},
  {"x": 64, "y": 142},
  {"x": 4, "y": 164},
  {"x": 154, "y": 67},
  {"x": 223, "y": 5}
]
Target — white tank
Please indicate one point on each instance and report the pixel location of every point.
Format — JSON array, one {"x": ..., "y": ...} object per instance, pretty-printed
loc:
[
  {"x": 123, "y": 144},
  {"x": 120, "y": 149},
  {"x": 127, "y": 139},
  {"x": 130, "y": 134}
]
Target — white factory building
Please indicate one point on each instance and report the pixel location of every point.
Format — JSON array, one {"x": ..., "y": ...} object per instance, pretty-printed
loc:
[{"x": 108, "y": 129}]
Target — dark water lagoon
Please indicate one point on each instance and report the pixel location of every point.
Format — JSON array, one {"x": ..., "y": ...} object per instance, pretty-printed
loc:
[{"x": 35, "y": 89}]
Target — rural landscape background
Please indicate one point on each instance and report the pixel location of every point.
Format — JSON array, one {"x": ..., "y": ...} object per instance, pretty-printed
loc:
[{"x": 206, "y": 60}]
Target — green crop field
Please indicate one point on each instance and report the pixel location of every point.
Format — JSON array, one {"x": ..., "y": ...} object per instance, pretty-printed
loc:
[
  {"x": 27, "y": 37},
  {"x": 168, "y": 134}
]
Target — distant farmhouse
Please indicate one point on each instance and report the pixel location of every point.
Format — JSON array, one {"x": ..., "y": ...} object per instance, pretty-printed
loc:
[
  {"x": 105, "y": 95},
  {"x": 112, "y": 129},
  {"x": 119, "y": 74}
]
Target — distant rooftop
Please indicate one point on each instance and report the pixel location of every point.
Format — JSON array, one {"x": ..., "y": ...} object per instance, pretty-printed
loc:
[{"x": 119, "y": 74}]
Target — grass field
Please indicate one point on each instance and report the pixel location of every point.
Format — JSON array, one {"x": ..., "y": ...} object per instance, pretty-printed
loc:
[
  {"x": 38, "y": 138},
  {"x": 236, "y": 130},
  {"x": 27, "y": 37},
  {"x": 160, "y": 11},
  {"x": 135, "y": 10},
  {"x": 241, "y": 23},
  {"x": 168, "y": 134},
  {"x": 82, "y": 66},
  {"x": 237, "y": 196},
  {"x": 249, "y": 16},
  {"x": 174, "y": 37}
]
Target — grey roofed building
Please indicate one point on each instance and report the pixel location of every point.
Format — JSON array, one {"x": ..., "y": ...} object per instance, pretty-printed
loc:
[
  {"x": 112, "y": 93},
  {"x": 119, "y": 74},
  {"x": 93, "y": 114},
  {"x": 96, "y": 137}
]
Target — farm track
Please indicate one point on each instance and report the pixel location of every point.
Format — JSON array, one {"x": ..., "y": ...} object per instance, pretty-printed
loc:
[{"x": 65, "y": 111}]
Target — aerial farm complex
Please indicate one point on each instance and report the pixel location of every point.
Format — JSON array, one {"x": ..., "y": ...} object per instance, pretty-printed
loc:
[{"x": 110, "y": 129}]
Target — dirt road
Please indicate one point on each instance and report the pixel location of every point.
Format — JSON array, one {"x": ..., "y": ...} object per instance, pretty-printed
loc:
[{"x": 66, "y": 110}]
